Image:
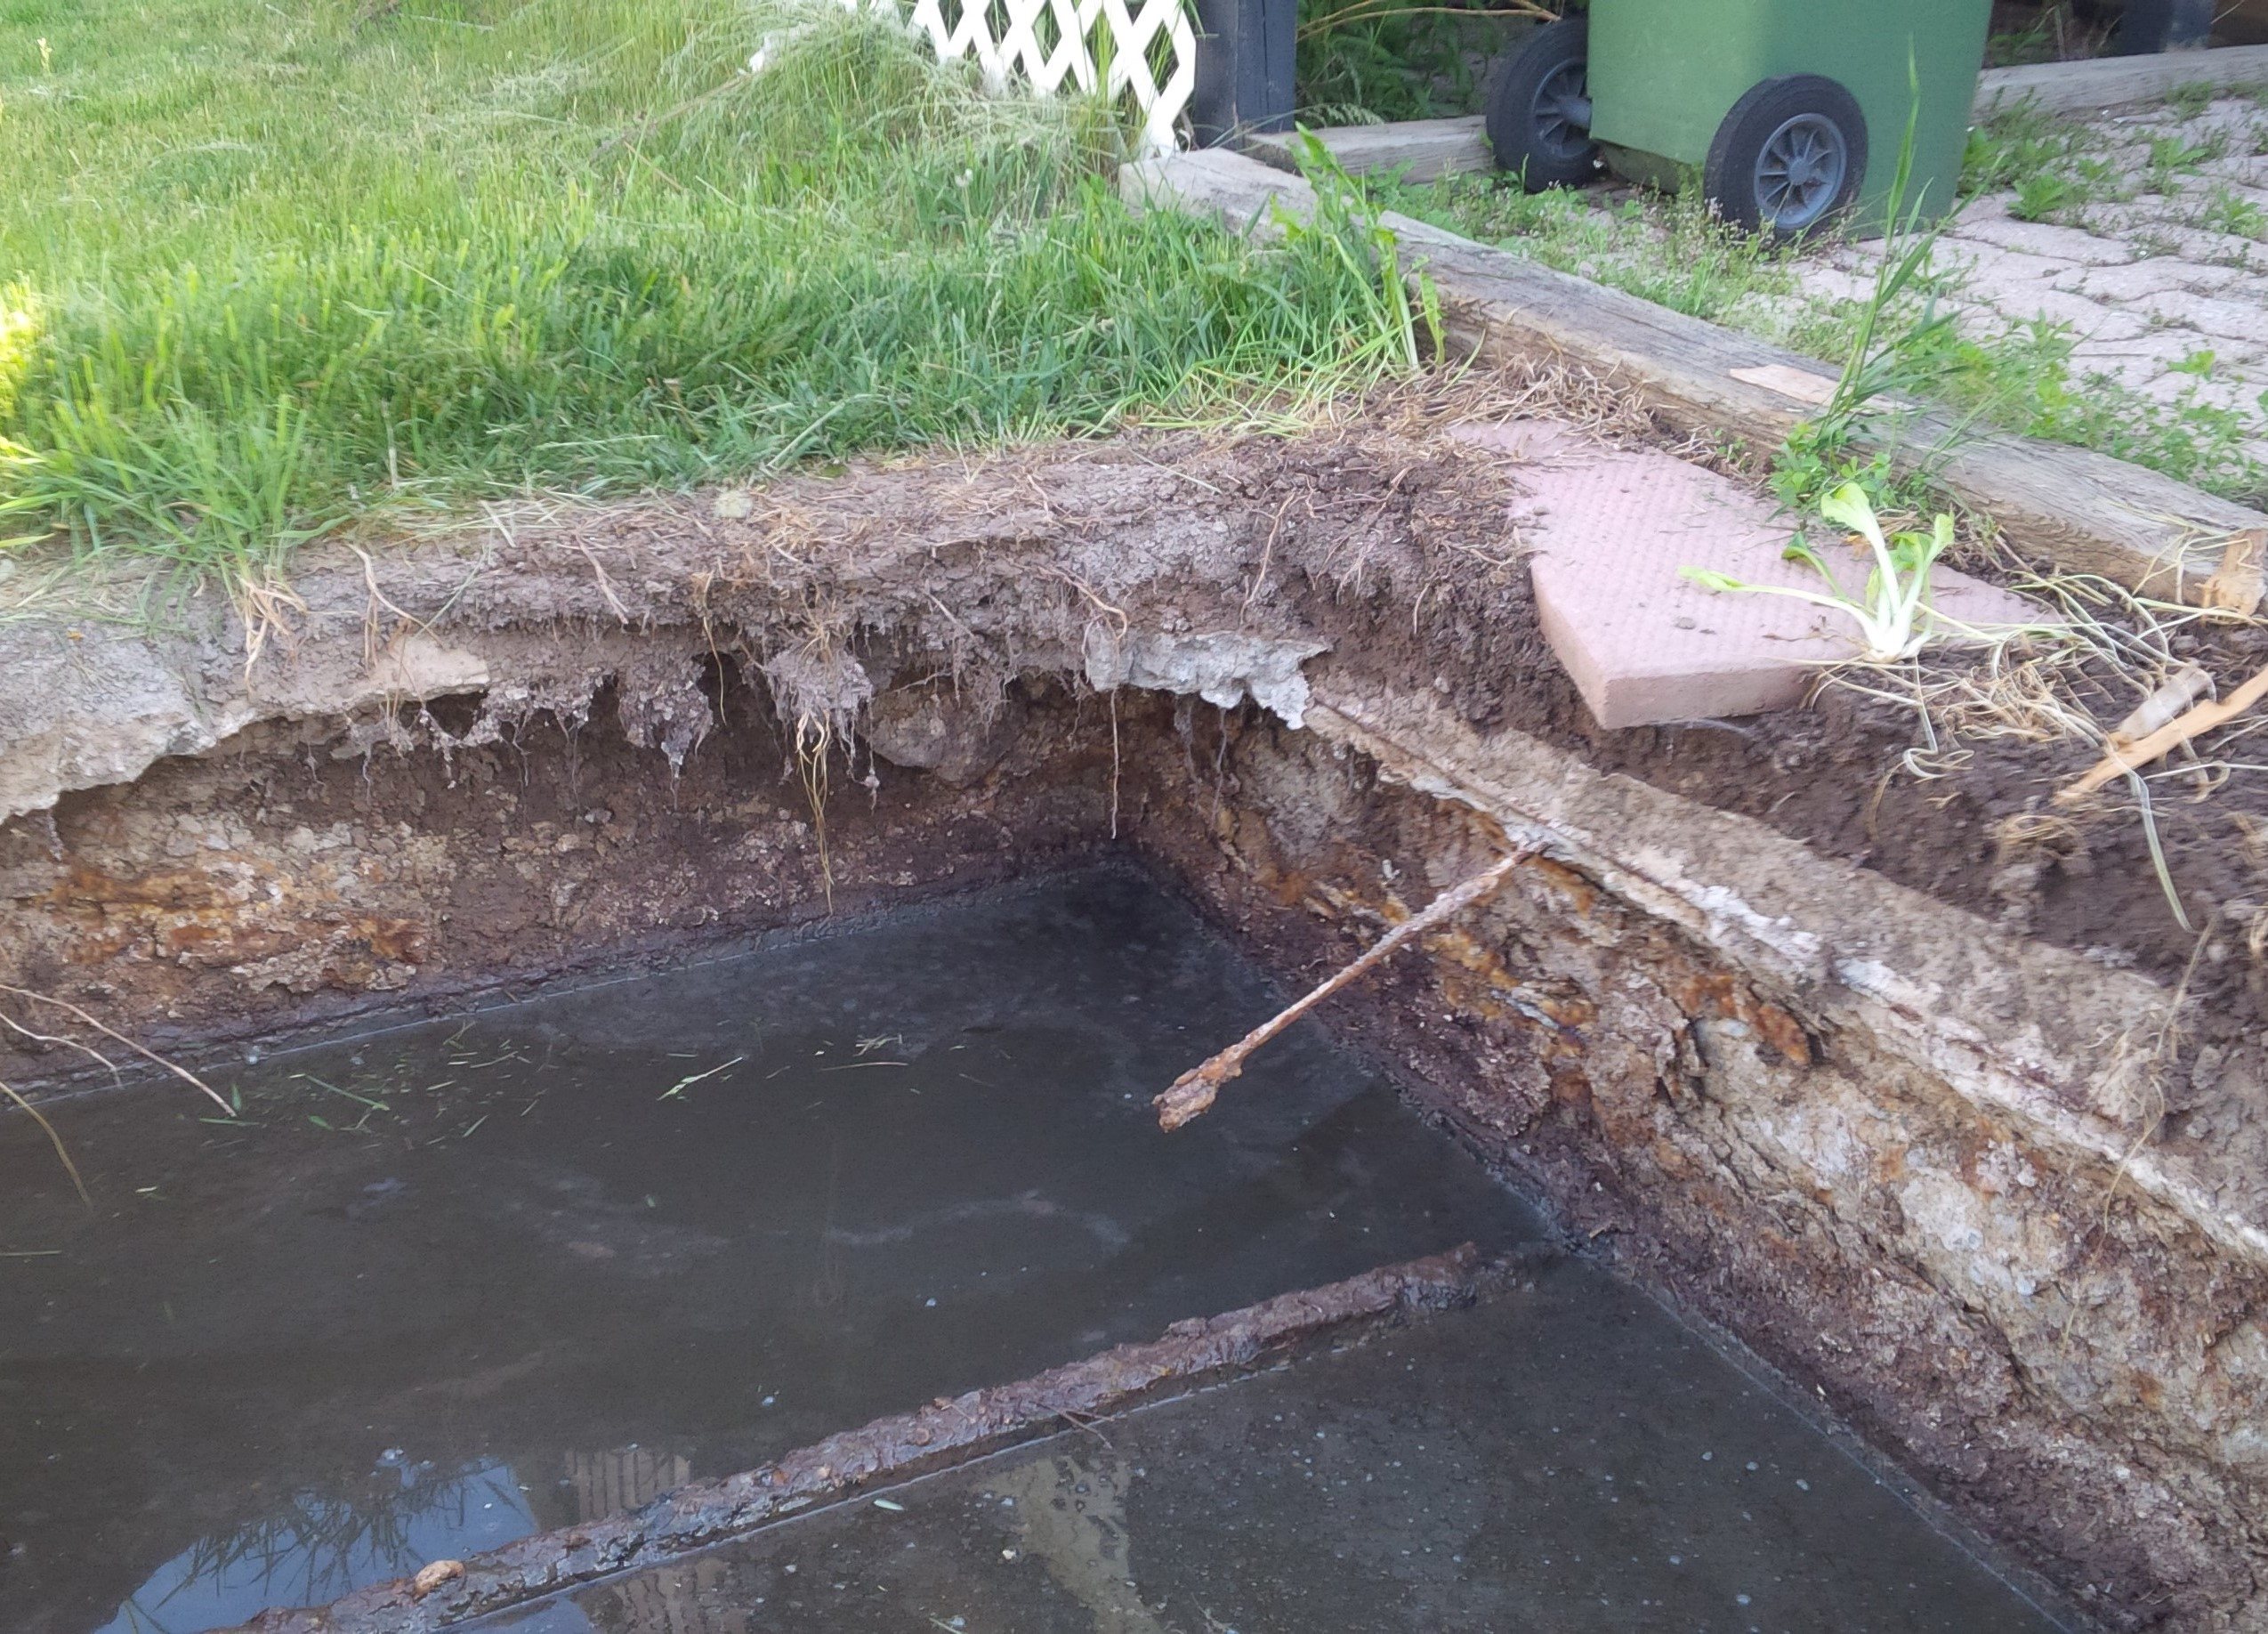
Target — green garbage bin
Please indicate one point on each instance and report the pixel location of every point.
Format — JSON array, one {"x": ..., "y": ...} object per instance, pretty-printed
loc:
[{"x": 1792, "y": 111}]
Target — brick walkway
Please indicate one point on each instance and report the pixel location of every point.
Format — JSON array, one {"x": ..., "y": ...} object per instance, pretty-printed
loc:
[{"x": 2157, "y": 261}]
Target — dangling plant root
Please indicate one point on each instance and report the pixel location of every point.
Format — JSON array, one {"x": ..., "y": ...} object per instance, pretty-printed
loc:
[
  {"x": 150, "y": 1056},
  {"x": 814, "y": 738},
  {"x": 54, "y": 1138},
  {"x": 62, "y": 1152},
  {"x": 1192, "y": 1095}
]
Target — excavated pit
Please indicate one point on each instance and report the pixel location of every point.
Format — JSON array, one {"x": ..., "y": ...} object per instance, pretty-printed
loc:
[
  {"x": 1773, "y": 1037},
  {"x": 436, "y": 1286}
]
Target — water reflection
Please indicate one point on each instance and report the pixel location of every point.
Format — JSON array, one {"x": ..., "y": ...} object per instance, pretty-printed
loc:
[
  {"x": 724, "y": 1211},
  {"x": 1061, "y": 1514},
  {"x": 320, "y": 1546}
]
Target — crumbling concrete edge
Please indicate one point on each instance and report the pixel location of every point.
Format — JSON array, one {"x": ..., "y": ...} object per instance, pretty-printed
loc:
[
  {"x": 944, "y": 1433},
  {"x": 1969, "y": 1002},
  {"x": 83, "y": 707}
]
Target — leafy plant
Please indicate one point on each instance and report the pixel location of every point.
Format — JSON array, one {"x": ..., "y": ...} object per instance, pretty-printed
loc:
[
  {"x": 2174, "y": 156},
  {"x": 2044, "y": 195},
  {"x": 1362, "y": 60},
  {"x": 2052, "y": 164},
  {"x": 1874, "y": 363},
  {"x": 1818, "y": 458},
  {"x": 1893, "y": 612},
  {"x": 2224, "y": 211},
  {"x": 2190, "y": 100}
]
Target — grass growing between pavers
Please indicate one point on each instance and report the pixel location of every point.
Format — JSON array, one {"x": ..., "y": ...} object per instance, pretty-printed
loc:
[
  {"x": 2019, "y": 377},
  {"x": 266, "y": 267}
]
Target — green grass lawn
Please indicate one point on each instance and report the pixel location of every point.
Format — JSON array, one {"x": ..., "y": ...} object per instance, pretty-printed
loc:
[{"x": 267, "y": 265}]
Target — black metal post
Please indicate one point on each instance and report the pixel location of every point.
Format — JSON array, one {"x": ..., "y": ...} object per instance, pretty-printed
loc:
[
  {"x": 2147, "y": 25},
  {"x": 1244, "y": 68}
]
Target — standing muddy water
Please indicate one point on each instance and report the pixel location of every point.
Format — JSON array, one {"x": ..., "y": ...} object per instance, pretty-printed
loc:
[
  {"x": 1560, "y": 1461},
  {"x": 450, "y": 1285},
  {"x": 441, "y": 1287}
]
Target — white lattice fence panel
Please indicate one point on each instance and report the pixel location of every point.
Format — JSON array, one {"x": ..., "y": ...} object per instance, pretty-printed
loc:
[{"x": 1144, "y": 55}]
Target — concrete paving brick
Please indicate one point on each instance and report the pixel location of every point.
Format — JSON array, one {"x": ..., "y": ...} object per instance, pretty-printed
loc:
[
  {"x": 2243, "y": 182},
  {"x": 1836, "y": 283},
  {"x": 2232, "y": 118},
  {"x": 1607, "y": 532},
  {"x": 2207, "y": 392},
  {"x": 2158, "y": 276},
  {"x": 1995, "y": 267},
  {"x": 2041, "y": 238},
  {"x": 2207, "y": 260},
  {"x": 2132, "y": 372},
  {"x": 2139, "y": 285},
  {"x": 2209, "y": 317},
  {"x": 2249, "y": 168},
  {"x": 2104, "y": 326},
  {"x": 1979, "y": 208},
  {"x": 2160, "y": 349},
  {"x": 2089, "y": 319}
]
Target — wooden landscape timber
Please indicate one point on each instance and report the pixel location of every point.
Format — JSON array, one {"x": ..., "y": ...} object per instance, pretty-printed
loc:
[
  {"x": 2115, "y": 82},
  {"x": 2077, "y": 511}
]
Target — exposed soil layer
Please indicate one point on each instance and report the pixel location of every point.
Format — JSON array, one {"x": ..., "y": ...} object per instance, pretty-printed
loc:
[
  {"x": 1977, "y": 1301},
  {"x": 282, "y": 883},
  {"x": 1979, "y": 830},
  {"x": 1957, "y": 1130},
  {"x": 1381, "y": 540}
]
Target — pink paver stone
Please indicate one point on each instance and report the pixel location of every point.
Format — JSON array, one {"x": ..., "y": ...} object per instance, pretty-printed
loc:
[{"x": 1608, "y": 530}]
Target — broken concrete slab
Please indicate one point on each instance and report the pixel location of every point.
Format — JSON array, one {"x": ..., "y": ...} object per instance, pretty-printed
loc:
[{"x": 1608, "y": 532}]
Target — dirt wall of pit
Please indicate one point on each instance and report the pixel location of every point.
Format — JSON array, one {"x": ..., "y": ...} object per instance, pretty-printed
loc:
[
  {"x": 1920, "y": 1161},
  {"x": 293, "y": 878},
  {"x": 1909, "y": 1182}
]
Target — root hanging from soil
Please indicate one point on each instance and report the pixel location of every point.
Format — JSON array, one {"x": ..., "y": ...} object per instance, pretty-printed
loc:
[
  {"x": 62, "y": 1151},
  {"x": 112, "y": 1033},
  {"x": 1192, "y": 1095},
  {"x": 54, "y": 1138},
  {"x": 814, "y": 739}
]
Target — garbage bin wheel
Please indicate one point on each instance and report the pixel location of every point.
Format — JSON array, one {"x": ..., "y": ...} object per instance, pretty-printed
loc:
[
  {"x": 1788, "y": 157},
  {"x": 1539, "y": 107}
]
